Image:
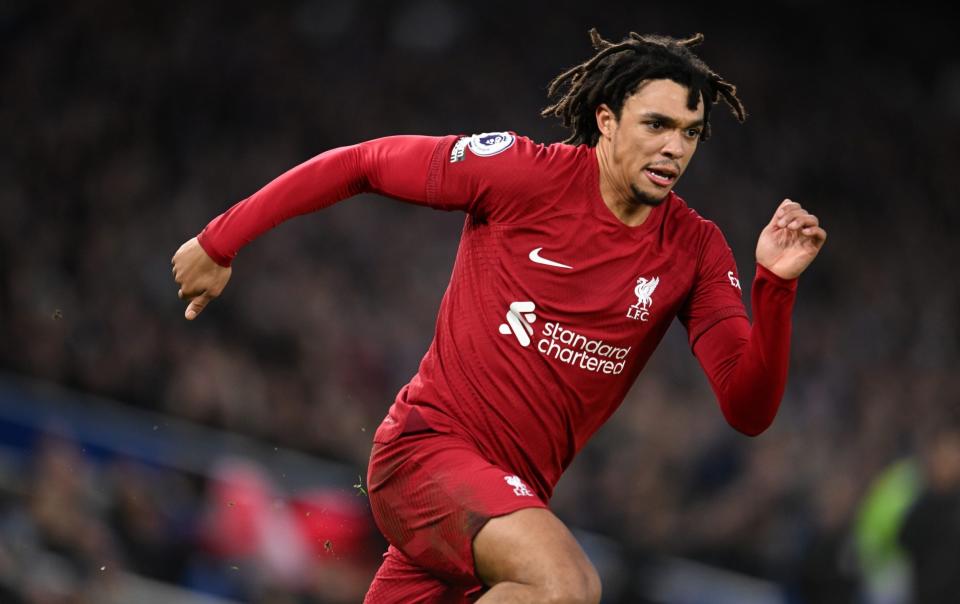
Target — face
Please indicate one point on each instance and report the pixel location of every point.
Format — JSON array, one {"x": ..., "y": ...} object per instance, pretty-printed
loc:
[{"x": 649, "y": 147}]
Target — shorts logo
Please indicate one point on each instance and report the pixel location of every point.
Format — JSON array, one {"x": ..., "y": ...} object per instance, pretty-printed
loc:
[
  {"x": 519, "y": 489},
  {"x": 733, "y": 280},
  {"x": 644, "y": 293},
  {"x": 519, "y": 318},
  {"x": 490, "y": 143}
]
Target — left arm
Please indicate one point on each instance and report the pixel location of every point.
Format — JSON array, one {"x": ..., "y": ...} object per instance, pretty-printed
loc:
[{"x": 747, "y": 364}]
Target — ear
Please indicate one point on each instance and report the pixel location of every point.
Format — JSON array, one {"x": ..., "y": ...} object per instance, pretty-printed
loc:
[{"x": 606, "y": 120}]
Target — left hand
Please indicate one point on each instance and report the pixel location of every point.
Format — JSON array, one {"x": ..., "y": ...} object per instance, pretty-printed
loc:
[{"x": 790, "y": 242}]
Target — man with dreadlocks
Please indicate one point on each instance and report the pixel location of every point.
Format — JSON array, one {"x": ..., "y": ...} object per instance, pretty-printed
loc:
[{"x": 574, "y": 260}]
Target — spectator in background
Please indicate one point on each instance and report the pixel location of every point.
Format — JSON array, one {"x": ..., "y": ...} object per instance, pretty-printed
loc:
[
  {"x": 62, "y": 550},
  {"x": 258, "y": 544},
  {"x": 827, "y": 570},
  {"x": 930, "y": 533},
  {"x": 150, "y": 514}
]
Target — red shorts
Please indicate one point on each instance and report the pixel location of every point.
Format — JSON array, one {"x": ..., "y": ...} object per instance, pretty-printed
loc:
[{"x": 430, "y": 493}]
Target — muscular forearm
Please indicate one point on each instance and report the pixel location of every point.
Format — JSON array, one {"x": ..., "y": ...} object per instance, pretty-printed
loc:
[
  {"x": 397, "y": 166},
  {"x": 747, "y": 365}
]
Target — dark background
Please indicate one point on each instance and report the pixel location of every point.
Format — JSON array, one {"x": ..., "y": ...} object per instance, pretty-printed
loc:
[{"x": 127, "y": 126}]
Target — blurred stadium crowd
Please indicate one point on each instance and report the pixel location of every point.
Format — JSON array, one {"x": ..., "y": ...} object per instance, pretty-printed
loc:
[{"x": 128, "y": 126}]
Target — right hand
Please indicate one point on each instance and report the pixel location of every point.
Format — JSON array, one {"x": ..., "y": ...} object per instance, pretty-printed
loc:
[{"x": 199, "y": 277}]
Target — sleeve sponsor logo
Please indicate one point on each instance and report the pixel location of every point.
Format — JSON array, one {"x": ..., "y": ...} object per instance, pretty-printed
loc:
[{"x": 459, "y": 148}]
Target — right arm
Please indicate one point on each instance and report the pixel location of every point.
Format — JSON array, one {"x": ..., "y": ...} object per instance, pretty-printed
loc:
[
  {"x": 402, "y": 167},
  {"x": 493, "y": 176}
]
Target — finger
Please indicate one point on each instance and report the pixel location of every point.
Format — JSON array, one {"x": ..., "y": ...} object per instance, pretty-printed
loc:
[
  {"x": 190, "y": 294},
  {"x": 786, "y": 205},
  {"x": 792, "y": 211},
  {"x": 196, "y": 306},
  {"x": 782, "y": 209},
  {"x": 817, "y": 234},
  {"x": 792, "y": 214},
  {"x": 800, "y": 220}
]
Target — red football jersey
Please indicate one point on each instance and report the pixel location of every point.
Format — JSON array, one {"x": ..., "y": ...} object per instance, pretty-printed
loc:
[{"x": 554, "y": 305}]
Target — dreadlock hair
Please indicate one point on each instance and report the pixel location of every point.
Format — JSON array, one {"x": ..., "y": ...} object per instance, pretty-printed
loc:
[{"x": 617, "y": 70}]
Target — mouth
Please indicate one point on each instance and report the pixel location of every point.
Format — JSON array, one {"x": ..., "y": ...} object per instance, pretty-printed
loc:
[{"x": 662, "y": 176}]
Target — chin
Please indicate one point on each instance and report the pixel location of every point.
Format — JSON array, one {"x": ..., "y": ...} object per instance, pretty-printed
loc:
[{"x": 647, "y": 199}]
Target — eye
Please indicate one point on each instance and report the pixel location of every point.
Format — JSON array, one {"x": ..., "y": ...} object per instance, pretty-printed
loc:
[
  {"x": 655, "y": 124},
  {"x": 693, "y": 132}
]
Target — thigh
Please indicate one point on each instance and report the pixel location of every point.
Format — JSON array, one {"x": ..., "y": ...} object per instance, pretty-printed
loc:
[
  {"x": 431, "y": 493},
  {"x": 400, "y": 581},
  {"x": 531, "y": 547}
]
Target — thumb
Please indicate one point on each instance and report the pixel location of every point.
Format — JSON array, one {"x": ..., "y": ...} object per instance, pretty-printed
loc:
[{"x": 196, "y": 306}]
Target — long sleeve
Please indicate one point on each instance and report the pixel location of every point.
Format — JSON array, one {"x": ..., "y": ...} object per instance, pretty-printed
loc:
[
  {"x": 492, "y": 176},
  {"x": 747, "y": 365},
  {"x": 403, "y": 167}
]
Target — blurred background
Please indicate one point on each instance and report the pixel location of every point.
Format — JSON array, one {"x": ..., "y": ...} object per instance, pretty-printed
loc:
[{"x": 147, "y": 459}]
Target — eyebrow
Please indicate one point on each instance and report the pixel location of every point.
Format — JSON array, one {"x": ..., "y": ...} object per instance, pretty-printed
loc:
[{"x": 671, "y": 122}]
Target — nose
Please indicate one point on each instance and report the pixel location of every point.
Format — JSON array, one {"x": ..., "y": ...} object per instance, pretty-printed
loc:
[{"x": 673, "y": 146}]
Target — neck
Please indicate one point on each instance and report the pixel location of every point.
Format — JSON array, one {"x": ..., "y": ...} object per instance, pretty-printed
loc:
[{"x": 617, "y": 195}]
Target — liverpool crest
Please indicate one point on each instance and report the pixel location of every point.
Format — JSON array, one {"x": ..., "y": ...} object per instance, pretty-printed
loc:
[{"x": 644, "y": 293}]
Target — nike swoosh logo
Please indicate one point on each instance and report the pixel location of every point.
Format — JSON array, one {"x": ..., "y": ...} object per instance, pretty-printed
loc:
[{"x": 536, "y": 257}]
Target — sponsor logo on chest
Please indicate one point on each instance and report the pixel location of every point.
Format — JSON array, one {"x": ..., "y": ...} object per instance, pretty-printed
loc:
[
  {"x": 563, "y": 344},
  {"x": 568, "y": 345}
]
